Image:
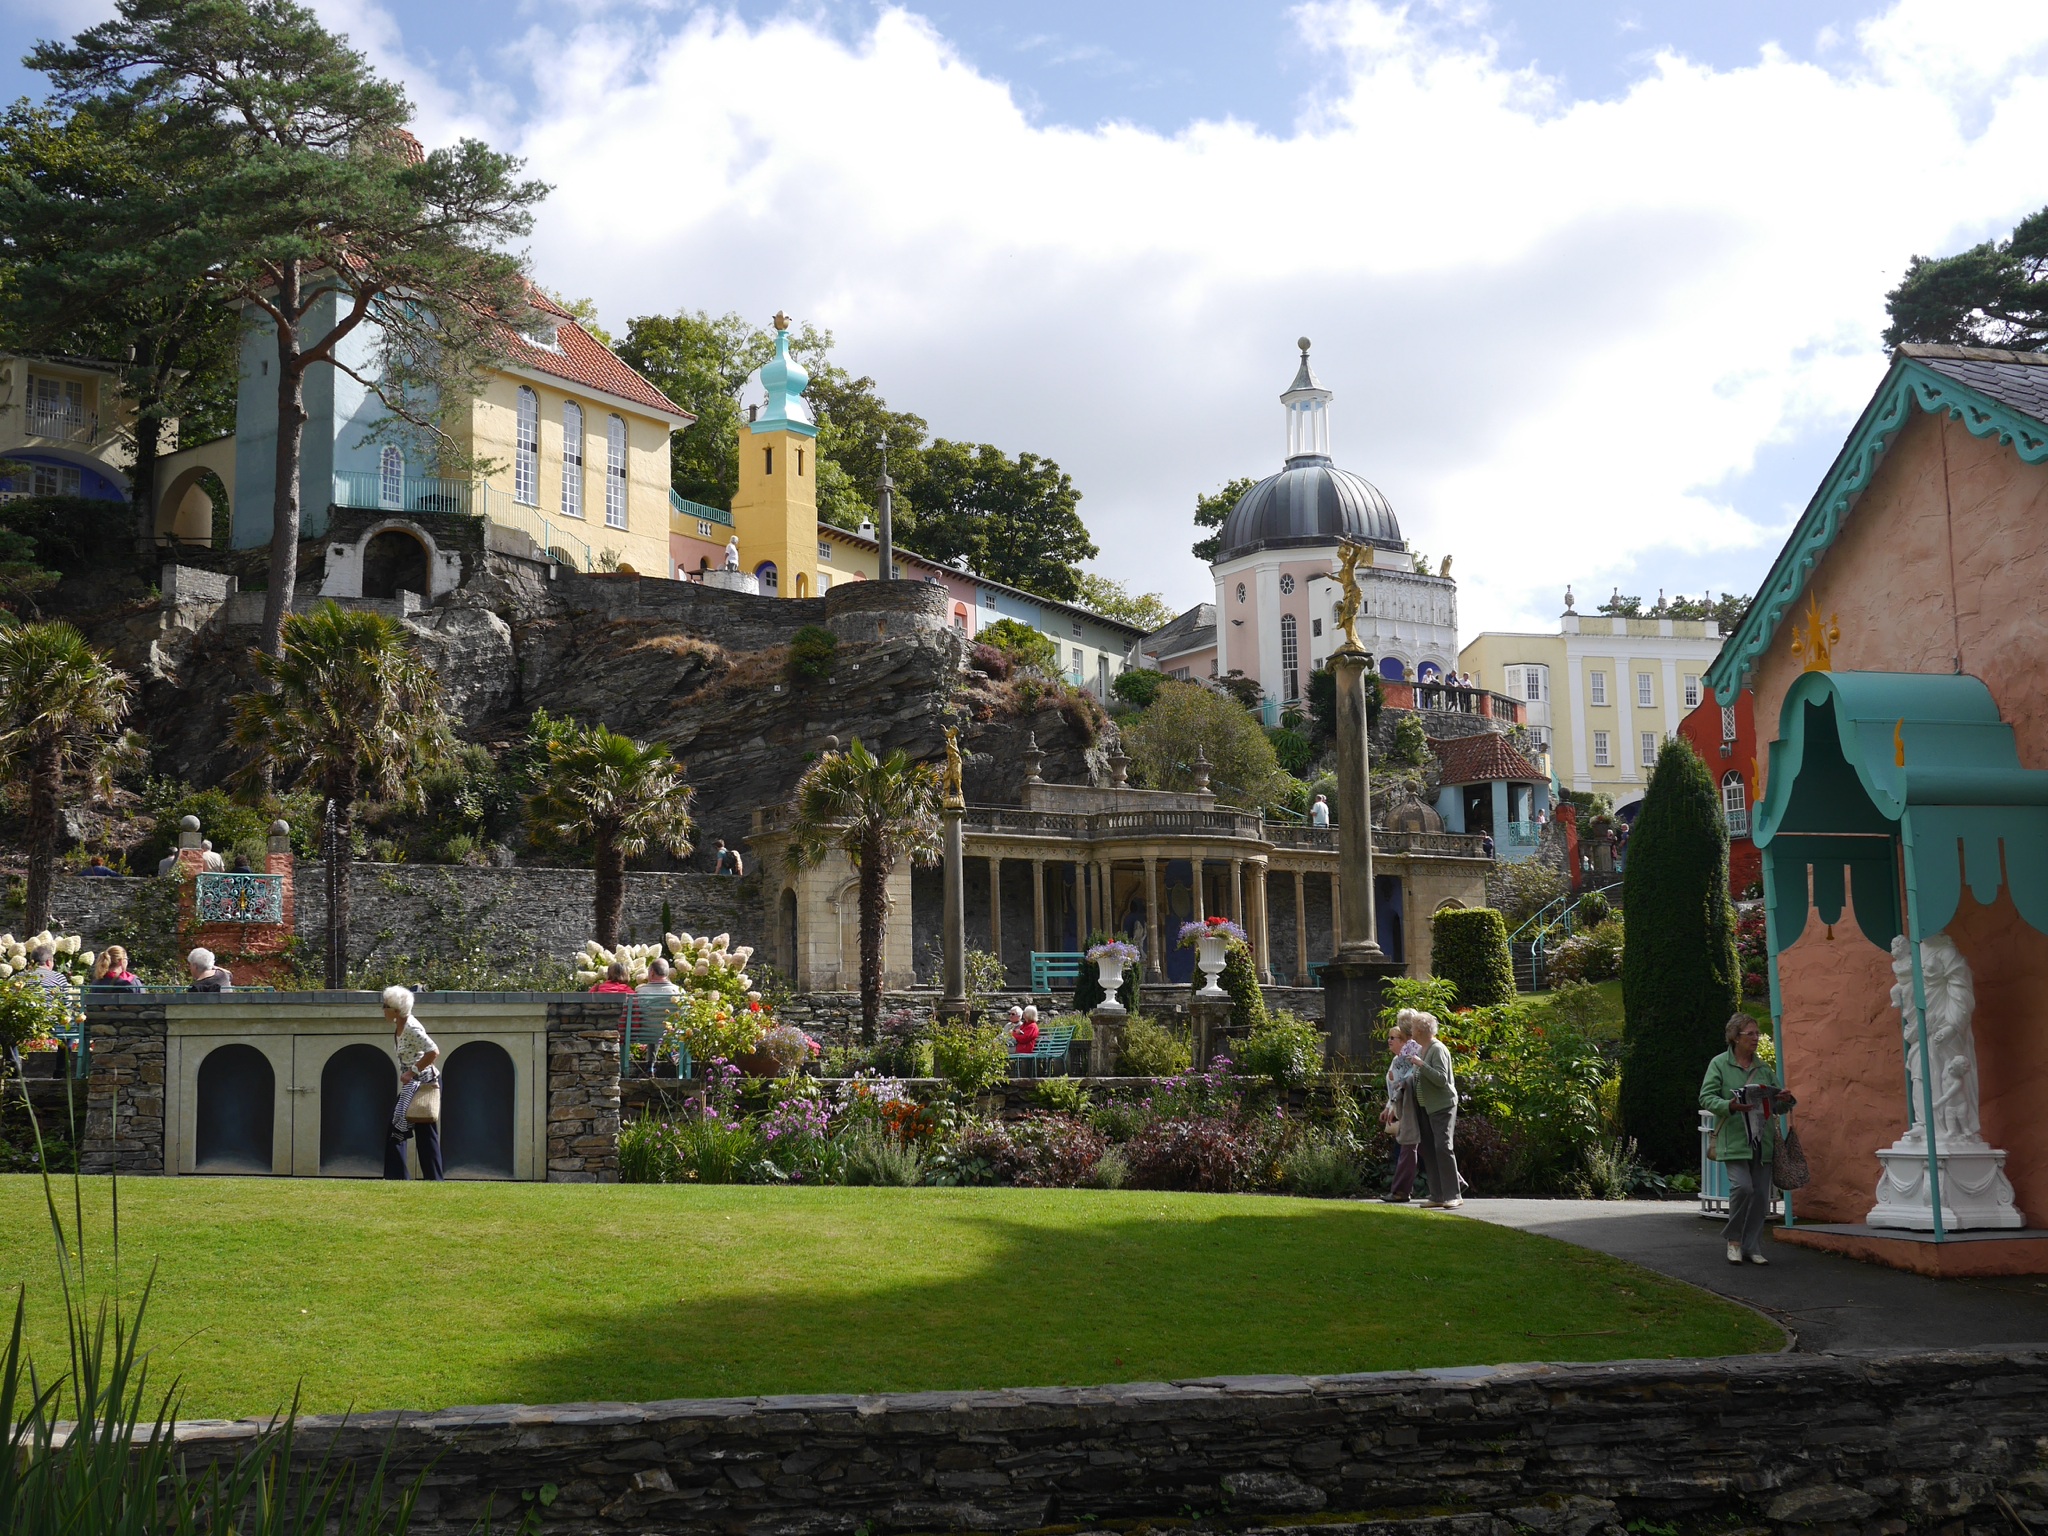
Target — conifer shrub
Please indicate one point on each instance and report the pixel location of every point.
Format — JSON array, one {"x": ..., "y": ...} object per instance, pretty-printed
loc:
[
  {"x": 1679, "y": 975},
  {"x": 812, "y": 651},
  {"x": 1469, "y": 946},
  {"x": 1240, "y": 979}
]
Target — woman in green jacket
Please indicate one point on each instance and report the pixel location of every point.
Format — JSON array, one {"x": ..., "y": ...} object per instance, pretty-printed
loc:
[{"x": 1743, "y": 1097}]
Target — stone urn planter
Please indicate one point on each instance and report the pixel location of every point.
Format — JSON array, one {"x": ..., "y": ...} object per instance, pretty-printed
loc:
[
  {"x": 1110, "y": 960},
  {"x": 1212, "y": 948}
]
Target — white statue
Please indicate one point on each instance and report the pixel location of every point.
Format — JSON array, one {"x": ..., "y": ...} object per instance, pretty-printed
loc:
[
  {"x": 732, "y": 553},
  {"x": 1974, "y": 1189}
]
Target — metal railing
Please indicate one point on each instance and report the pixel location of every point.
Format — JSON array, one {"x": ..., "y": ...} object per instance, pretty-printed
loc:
[
  {"x": 71, "y": 424},
  {"x": 371, "y": 490},
  {"x": 679, "y": 507},
  {"x": 1530, "y": 832}
]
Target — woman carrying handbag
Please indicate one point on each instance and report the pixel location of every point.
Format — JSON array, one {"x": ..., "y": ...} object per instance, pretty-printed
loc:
[
  {"x": 1746, "y": 1103},
  {"x": 417, "y": 1115}
]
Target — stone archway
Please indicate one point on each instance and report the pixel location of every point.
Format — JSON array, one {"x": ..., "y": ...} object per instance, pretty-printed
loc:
[{"x": 395, "y": 561}]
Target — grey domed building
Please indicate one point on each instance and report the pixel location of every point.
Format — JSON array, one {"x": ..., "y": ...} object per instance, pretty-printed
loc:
[{"x": 1276, "y": 599}]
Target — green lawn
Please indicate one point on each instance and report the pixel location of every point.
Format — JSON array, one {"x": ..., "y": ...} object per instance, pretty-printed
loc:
[
  {"x": 425, "y": 1295},
  {"x": 1608, "y": 1025}
]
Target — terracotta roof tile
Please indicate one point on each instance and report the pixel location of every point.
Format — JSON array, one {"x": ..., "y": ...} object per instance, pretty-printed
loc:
[
  {"x": 585, "y": 360},
  {"x": 1483, "y": 759}
]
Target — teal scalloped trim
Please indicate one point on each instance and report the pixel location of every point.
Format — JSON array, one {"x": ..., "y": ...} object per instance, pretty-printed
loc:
[{"x": 1910, "y": 385}]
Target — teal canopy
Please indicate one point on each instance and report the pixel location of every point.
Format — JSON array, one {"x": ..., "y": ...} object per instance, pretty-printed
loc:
[{"x": 1894, "y": 783}]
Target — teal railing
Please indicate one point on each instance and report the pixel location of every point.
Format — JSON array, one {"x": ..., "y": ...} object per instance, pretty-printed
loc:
[
  {"x": 680, "y": 507},
  {"x": 1529, "y": 832},
  {"x": 1550, "y": 926}
]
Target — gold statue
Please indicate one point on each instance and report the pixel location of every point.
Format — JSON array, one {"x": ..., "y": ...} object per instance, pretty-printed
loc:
[
  {"x": 956, "y": 795},
  {"x": 1816, "y": 639},
  {"x": 1350, "y": 555}
]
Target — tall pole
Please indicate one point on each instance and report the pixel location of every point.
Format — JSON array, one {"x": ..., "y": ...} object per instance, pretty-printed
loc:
[
  {"x": 953, "y": 923},
  {"x": 887, "y": 498},
  {"x": 1358, "y": 927}
]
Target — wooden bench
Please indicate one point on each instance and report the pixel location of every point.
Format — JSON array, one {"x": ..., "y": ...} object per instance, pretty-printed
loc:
[
  {"x": 1055, "y": 970},
  {"x": 1054, "y": 1040}
]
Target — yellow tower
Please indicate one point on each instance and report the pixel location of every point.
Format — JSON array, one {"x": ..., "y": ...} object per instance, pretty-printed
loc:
[{"x": 775, "y": 512}]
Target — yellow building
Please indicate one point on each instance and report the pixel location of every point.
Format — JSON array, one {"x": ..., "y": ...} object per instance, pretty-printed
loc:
[
  {"x": 1602, "y": 694},
  {"x": 775, "y": 510},
  {"x": 66, "y": 429}
]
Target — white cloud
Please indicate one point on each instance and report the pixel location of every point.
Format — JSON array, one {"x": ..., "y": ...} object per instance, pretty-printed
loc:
[{"x": 1553, "y": 326}]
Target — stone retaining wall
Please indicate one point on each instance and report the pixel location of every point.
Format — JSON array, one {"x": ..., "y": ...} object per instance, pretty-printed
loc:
[
  {"x": 1870, "y": 1443},
  {"x": 124, "y": 1097},
  {"x": 583, "y": 1090}
]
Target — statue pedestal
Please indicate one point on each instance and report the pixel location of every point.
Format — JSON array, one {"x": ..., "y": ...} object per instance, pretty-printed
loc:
[
  {"x": 1975, "y": 1195},
  {"x": 1209, "y": 1020},
  {"x": 1352, "y": 998},
  {"x": 733, "y": 581},
  {"x": 1107, "y": 1038}
]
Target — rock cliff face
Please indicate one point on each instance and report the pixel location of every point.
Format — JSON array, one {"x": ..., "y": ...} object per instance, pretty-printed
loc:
[{"x": 703, "y": 670}]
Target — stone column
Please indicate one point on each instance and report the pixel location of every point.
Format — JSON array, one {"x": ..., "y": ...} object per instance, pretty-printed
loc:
[
  {"x": 583, "y": 1090},
  {"x": 953, "y": 915},
  {"x": 1237, "y": 914},
  {"x": 1155, "y": 969},
  {"x": 995, "y": 905},
  {"x": 1038, "y": 904},
  {"x": 1201, "y": 911},
  {"x": 1105, "y": 886},
  {"x": 1353, "y": 979},
  {"x": 1260, "y": 938},
  {"x": 1300, "y": 932},
  {"x": 128, "y": 1047}
]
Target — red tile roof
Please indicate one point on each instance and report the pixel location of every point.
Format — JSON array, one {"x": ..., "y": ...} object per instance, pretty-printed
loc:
[
  {"x": 585, "y": 360},
  {"x": 1483, "y": 759}
]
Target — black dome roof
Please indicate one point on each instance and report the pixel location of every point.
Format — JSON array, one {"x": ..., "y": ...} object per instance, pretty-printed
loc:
[{"x": 1311, "y": 501}]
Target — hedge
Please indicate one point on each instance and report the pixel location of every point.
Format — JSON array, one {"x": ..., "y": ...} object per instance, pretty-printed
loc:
[{"x": 1469, "y": 946}]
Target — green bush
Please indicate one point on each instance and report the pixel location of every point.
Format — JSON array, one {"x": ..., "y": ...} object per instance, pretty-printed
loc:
[
  {"x": 722, "y": 1151},
  {"x": 1240, "y": 979},
  {"x": 1322, "y": 1168},
  {"x": 812, "y": 651},
  {"x": 1469, "y": 947},
  {"x": 1680, "y": 979},
  {"x": 1064, "y": 1095},
  {"x": 882, "y": 1162},
  {"x": 1287, "y": 1051},
  {"x": 1149, "y": 1049},
  {"x": 972, "y": 1058},
  {"x": 1537, "y": 1082},
  {"x": 1297, "y": 754},
  {"x": 1137, "y": 686},
  {"x": 1588, "y": 956},
  {"x": 1411, "y": 741},
  {"x": 1025, "y": 646},
  {"x": 1112, "y": 1170},
  {"x": 1525, "y": 888},
  {"x": 28, "y": 1011},
  {"x": 1426, "y": 994},
  {"x": 1592, "y": 909}
]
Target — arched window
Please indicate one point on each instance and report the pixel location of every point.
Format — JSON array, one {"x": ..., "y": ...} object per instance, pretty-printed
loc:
[
  {"x": 1429, "y": 672},
  {"x": 391, "y": 477},
  {"x": 1290, "y": 657},
  {"x": 615, "y": 475},
  {"x": 1735, "y": 802},
  {"x": 1393, "y": 669},
  {"x": 526, "y": 450},
  {"x": 572, "y": 460},
  {"x": 765, "y": 574}
]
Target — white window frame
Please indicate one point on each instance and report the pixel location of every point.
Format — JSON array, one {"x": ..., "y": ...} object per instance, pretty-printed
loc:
[
  {"x": 1735, "y": 803},
  {"x": 1602, "y": 757},
  {"x": 572, "y": 460},
  {"x": 1596, "y": 687},
  {"x": 526, "y": 450},
  {"x": 1649, "y": 739},
  {"x": 824, "y": 551},
  {"x": 1692, "y": 692},
  {"x": 391, "y": 476},
  {"x": 615, "y": 472},
  {"x": 1290, "y": 657},
  {"x": 1728, "y": 731},
  {"x": 1646, "y": 691}
]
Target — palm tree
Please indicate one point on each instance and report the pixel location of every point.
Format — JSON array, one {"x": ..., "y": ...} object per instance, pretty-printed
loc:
[
  {"x": 875, "y": 811},
  {"x": 622, "y": 796},
  {"x": 61, "y": 708},
  {"x": 349, "y": 703}
]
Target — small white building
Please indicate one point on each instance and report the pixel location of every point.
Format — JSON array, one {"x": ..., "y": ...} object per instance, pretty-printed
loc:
[{"x": 1276, "y": 597}]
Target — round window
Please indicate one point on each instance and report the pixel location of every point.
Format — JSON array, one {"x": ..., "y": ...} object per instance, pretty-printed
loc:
[
  {"x": 1240, "y": 591},
  {"x": 1286, "y": 583}
]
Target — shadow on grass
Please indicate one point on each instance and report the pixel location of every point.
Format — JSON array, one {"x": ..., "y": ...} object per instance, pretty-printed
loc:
[{"x": 1306, "y": 1289}]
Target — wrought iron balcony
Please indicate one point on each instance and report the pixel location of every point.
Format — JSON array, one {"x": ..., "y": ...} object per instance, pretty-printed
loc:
[
  {"x": 225, "y": 897},
  {"x": 62, "y": 421}
]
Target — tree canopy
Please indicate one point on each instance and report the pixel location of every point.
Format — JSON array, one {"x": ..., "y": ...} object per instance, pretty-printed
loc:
[
  {"x": 1993, "y": 295},
  {"x": 1210, "y": 510},
  {"x": 1016, "y": 520},
  {"x": 1147, "y": 610},
  {"x": 1186, "y": 718}
]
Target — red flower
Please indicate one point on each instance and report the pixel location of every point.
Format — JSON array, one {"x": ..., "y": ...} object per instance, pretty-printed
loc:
[{"x": 1217, "y": 921}]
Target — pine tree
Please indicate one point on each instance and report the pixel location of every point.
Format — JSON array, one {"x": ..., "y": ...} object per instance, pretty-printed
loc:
[{"x": 1679, "y": 978}]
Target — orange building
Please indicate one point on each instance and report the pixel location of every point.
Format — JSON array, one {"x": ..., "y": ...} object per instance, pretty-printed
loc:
[{"x": 1724, "y": 735}]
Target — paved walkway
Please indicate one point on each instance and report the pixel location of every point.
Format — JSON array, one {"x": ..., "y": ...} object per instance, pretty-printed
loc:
[{"x": 1829, "y": 1302}]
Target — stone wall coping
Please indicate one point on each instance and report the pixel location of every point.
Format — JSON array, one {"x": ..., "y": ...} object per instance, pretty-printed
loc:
[
  {"x": 1041, "y": 1406},
  {"x": 129, "y": 1002}
]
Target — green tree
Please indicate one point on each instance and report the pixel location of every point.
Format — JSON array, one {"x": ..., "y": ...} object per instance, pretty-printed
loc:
[
  {"x": 1186, "y": 718},
  {"x": 1114, "y": 600},
  {"x": 61, "y": 708},
  {"x": 877, "y": 811},
  {"x": 1025, "y": 646},
  {"x": 1992, "y": 295},
  {"x": 1469, "y": 948},
  {"x": 854, "y": 424},
  {"x": 349, "y": 704},
  {"x": 1137, "y": 686},
  {"x": 72, "y": 283},
  {"x": 283, "y": 175},
  {"x": 1210, "y": 510},
  {"x": 1622, "y": 607},
  {"x": 1679, "y": 976},
  {"x": 1727, "y": 610},
  {"x": 1016, "y": 520},
  {"x": 621, "y": 796}
]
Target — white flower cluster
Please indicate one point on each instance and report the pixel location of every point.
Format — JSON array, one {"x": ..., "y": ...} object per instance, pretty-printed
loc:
[
  {"x": 74, "y": 960},
  {"x": 687, "y": 957}
]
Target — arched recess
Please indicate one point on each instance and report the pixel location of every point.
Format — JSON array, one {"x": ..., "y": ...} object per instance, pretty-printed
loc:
[
  {"x": 477, "y": 1098},
  {"x": 192, "y": 491},
  {"x": 395, "y": 561},
  {"x": 788, "y": 934},
  {"x": 237, "y": 1112},
  {"x": 1393, "y": 669},
  {"x": 803, "y": 584},
  {"x": 358, "y": 1090}
]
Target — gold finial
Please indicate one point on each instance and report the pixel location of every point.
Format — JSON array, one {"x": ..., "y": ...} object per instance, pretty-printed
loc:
[
  {"x": 1815, "y": 640},
  {"x": 781, "y": 321},
  {"x": 1350, "y": 555},
  {"x": 1756, "y": 781},
  {"x": 956, "y": 796},
  {"x": 1899, "y": 742}
]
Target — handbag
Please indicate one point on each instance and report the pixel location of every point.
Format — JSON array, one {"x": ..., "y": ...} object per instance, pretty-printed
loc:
[
  {"x": 425, "y": 1108},
  {"x": 1788, "y": 1162}
]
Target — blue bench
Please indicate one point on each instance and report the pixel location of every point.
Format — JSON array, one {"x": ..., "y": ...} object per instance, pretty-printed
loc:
[
  {"x": 1055, "y": 970},
  {"x": 1050, "y": 1050}
]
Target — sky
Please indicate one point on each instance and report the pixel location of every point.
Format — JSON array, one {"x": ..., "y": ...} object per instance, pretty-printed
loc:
[{"x": 1598, "y": 285}]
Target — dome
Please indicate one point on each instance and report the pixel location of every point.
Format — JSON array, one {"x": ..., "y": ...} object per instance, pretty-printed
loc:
[{"x": 1311, "y": 501}]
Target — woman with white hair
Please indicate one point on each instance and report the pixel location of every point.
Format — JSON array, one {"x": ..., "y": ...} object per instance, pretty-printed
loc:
[
  {"x": 417, "y": 1115},
  {"x": 1436, "y": 1105}
]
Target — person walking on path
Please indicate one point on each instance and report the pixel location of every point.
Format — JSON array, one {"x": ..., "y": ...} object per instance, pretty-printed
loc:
[
  {"x": 417, "y": 1072},
  {"x": 1436, "y": 1107},
  {"x": 1403, "y": 1066},
  {"x": 1739, "y": 1090}
]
